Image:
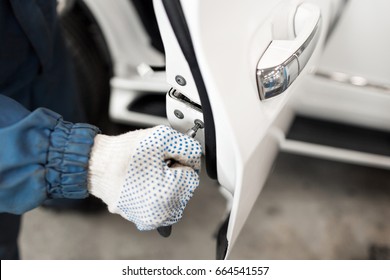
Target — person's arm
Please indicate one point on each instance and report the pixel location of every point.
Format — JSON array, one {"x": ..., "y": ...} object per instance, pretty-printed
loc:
[{"x": 43, "y": 156}]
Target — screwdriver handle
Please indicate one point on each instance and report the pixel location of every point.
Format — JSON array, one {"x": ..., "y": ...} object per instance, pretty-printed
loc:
[{"x": 165, "y": 231}]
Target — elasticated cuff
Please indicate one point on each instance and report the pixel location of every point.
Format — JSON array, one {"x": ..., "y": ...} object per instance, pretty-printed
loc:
[{"x": 68, "y": 156}]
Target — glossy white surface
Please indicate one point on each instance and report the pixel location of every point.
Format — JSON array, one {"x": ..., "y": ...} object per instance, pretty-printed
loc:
[{"x": 246, "y": 144}]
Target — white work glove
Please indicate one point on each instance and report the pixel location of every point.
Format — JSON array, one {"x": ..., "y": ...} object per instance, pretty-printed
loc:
[{"x": 130, "y": 174}]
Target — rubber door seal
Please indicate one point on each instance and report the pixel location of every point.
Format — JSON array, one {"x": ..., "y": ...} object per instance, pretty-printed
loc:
[{"x": 179, "y": 25}]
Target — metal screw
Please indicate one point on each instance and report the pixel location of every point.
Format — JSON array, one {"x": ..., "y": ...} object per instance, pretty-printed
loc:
[
  {"x": 179, "y": 114},
  {"x": 180, "y": 80},
  {"x": 192, "y": 131},
  {"x": 199, "y": 123}
]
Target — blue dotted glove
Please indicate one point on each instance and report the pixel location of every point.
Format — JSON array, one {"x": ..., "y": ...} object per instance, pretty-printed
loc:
[{"x": 130, "y": 174}]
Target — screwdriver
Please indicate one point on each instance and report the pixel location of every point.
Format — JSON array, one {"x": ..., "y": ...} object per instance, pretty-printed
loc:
[{"x": 167, "y": 230}]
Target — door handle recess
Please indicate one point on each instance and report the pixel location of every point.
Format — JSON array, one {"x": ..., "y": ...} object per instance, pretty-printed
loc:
[{"x": 284, "y": 60}]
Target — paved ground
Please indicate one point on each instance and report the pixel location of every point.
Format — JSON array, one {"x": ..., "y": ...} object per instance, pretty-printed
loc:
[{"x": 309, "y": 209}]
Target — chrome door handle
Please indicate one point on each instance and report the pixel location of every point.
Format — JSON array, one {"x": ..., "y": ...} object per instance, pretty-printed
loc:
[{"x": 284, "y": 60}]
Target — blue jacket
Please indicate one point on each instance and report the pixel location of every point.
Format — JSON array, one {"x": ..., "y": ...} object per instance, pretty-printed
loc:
[{"x": 41, "y": 155}]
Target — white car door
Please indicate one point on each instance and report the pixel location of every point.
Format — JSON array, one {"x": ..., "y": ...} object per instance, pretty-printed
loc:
[{"x": 234, "y": 65}]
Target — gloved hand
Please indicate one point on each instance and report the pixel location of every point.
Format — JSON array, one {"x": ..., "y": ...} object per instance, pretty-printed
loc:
[{"x": 130, "y": 174}]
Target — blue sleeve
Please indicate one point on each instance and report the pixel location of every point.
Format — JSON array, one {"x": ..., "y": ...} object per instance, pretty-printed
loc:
[{"x": 41, "y": 156}]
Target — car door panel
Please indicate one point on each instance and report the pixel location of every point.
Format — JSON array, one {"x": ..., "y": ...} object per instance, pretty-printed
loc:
[{"x": 228, "y": 40}]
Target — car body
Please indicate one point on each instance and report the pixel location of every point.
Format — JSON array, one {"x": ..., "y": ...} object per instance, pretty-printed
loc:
[{"x": 247, "y": 69}]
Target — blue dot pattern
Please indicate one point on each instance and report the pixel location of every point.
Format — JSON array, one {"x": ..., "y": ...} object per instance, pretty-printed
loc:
[{"x": 155, "y": 194}]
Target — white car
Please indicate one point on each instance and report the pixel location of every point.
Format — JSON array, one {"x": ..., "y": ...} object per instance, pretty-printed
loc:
[{"x": 248, "y": 70}]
